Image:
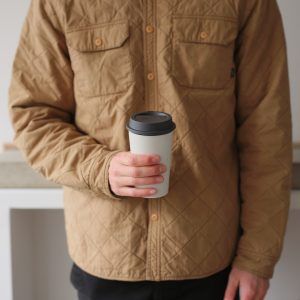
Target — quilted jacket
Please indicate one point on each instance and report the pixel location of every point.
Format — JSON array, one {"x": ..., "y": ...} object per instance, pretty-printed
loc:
[{"x": 219, "y": 67}]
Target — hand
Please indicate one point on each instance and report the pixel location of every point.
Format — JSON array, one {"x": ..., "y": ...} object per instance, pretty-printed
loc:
[
  {"x": 127, "y": 170},
  {"x": 251, "y": 287}
]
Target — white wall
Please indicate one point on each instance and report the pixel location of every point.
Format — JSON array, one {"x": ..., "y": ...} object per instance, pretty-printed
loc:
[
  {"x": 290, "y": 13},
  {"x": 285, "y": 283},
  {"x": 11, "y": 18},
  {"x": 12, "y": 15}
]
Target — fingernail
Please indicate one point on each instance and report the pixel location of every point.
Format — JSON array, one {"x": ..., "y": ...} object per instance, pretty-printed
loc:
[
  {"x": 162, "y": 168},
  {"x": 159, "y": 179},
  {"x": 152, "y": 191},
  {"x": 156, "y": 159}
]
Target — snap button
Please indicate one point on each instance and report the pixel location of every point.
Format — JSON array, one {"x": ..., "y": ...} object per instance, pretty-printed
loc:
[
  {"x": 203, "y": 34},
  {"x": 149, "y": 28},
  {"x": 150, "y": 76},
  {"x": 98, "y": 41},
  {"x": 154, "y": 217}
]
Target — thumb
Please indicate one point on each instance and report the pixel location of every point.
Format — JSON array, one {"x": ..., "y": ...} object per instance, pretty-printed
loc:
[{"x": 231, "y": 289}]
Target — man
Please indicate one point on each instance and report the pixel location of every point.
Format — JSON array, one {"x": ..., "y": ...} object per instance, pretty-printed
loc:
[{"x": 220, "y": 69}]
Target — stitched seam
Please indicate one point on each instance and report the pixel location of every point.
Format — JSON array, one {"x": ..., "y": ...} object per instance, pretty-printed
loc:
[
  {"x": 273, "y": 258},
  {"x": 91, "y": 170},
  {"x": 97, "y": 25},
  {"x": 205, "y": 17}
]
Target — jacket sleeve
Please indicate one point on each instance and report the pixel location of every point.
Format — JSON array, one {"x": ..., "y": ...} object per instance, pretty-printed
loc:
[
  {"x": 264, "y": 136},
  {"x": 42, "y": 107}
]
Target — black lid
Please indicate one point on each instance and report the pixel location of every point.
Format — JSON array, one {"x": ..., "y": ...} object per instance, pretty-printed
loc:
[{"x": 151, "y": 123}]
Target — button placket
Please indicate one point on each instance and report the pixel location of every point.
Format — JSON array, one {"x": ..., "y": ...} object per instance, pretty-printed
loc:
[
  {"x": 149, "y": 38},
  {"x": 153, "y": 243}
]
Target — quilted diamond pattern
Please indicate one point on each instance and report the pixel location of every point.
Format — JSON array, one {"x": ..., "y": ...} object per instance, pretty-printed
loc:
[{"x": 230, "y": 175}]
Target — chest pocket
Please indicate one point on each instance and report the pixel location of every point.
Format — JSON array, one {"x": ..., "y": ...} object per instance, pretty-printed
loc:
[
  {"x": 100, "y": 58},
  {"x": 202, "y": 52}
]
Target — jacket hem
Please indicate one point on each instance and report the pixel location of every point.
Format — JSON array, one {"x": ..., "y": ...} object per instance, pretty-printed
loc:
[{"x": 138, "y": 276}]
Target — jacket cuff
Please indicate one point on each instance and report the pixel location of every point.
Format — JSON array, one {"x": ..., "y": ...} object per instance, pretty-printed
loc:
[
  {"x": 106, "y": 187},
  {"x": 261, "y": 266},
  {"x": 99, "y": 182}
]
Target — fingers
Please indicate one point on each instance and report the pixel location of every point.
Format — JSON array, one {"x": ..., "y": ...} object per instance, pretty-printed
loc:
[
  {"x": 137, "y": 165},
  {"x": 248, "y": 289},
  {"x": 232, "y": 288},
  {"x": 262, "y": 290},
  {"x": 133, "y": 181},
  {"x": 134, "y": 192},
  {"x": 251, "y": 287},
  {"x": 131, "y": 159},
  {"x": 128, "y": 170},
  {"x": 136, "y": 172},
  {"x": 125, "y": 185}
]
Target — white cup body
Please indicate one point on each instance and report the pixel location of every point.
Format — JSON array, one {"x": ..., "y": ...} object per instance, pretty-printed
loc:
[{"x": 154, "y": 144}]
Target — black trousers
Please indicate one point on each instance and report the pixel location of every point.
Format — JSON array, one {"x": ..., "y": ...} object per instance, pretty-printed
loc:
[{"x": 209, "y": 288}]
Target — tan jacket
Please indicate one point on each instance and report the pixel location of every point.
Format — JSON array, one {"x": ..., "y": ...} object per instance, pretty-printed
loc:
[{"x": 220, "y": 69}]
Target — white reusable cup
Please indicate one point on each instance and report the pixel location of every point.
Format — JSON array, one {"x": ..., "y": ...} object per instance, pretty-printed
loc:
[{"x": 151, "y": 132}]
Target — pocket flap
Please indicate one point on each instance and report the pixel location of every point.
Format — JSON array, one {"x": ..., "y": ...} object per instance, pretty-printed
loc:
[
  {"x": 100, "y": 37},
  {"x": 204, "y": 30}
]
